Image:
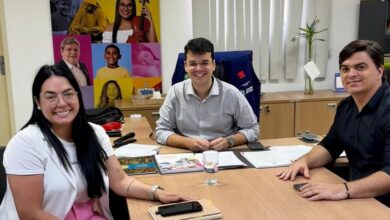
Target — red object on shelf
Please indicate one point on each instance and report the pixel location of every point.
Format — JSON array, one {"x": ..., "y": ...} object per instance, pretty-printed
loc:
[{"x": 110, "y": 126}]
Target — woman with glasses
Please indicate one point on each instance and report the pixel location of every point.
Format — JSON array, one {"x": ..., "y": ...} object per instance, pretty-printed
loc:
[
  {"x": 128, "y": 27},
  {"x": 58, "y": 165}
]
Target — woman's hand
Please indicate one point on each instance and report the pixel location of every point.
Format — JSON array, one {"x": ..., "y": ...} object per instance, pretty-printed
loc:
[
  {"x": 167, "y": 197},
  {"x": 146, "y": 13}
]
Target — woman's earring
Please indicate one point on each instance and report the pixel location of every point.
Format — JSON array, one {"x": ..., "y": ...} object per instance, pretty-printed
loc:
[{"x": 39, "y": 108}]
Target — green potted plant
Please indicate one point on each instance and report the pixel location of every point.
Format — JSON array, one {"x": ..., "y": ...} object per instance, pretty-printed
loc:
[{"x": 309, "y": 33}]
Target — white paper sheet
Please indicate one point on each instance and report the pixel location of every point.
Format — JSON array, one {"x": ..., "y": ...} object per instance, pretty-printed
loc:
[
  {"x": 277, "y": 156},
  {"x": 225, "y": 159},
  {"x": 136, "y": 150},
  {"x": 291, "y": 152},
  {"x": 312, "y": 70}
]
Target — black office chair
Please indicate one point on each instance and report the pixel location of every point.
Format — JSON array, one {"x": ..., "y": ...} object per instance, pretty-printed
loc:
[
  {"x": 234, "y": 67},
  {"x": 3, "y": 177}
]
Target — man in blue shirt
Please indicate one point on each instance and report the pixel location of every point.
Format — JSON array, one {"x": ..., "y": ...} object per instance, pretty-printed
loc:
[
  {"x": 361, "y": 128},
  {"x": 202, "y": 112}
]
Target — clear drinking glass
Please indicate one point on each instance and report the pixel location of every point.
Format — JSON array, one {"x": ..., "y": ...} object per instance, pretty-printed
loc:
[{"x": 210, "y": 164}]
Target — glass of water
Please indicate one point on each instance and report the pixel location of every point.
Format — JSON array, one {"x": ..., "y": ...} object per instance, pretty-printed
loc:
[{"x": 210, "y": 164}]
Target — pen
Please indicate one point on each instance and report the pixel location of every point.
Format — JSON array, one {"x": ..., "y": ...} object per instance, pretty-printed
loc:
[{"x": 121, "y": 143}]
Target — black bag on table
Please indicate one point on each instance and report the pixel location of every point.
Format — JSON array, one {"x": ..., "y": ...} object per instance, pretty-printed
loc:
[{"x": 104, "y": 115}]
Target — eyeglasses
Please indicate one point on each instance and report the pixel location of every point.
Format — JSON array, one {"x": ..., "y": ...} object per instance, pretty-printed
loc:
[
  {"x": 52, "y": 99},
  {"x": 125, "y": 6},
  {"x": 202, "y": 64}
]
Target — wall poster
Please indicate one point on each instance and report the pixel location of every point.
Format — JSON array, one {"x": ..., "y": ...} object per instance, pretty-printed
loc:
[{"x": 111, "y": 46}]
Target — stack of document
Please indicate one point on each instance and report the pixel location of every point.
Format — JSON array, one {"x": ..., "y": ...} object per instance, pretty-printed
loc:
[
  {"x": 276, "y": 156},
  {"x": 136, "y": 150}
]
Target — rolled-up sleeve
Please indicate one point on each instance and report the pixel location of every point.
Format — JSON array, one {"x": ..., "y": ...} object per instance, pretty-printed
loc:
[
  {"x": 246, "y": 119},
  {"x": 166, "y": 124}
]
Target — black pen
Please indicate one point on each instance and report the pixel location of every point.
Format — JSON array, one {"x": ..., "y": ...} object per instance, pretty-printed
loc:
[{"x": 121, "y": 143}]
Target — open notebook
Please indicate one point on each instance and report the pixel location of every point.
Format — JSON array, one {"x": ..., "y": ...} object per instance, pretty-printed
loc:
[{"x": 190, "y": 162}]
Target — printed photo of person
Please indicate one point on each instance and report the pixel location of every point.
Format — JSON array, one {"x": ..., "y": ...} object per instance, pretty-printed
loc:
[
  {"x": 111, "y": 91},
  {"x": 133, "y": 22},
  {"x": 108, "y": 92},
  {"x": 89, "y": 19},
  {"x": 73, "y": 53},
  {"x": 111, "y": 61},
  {"x": 146, "y": 60},
  {"x": 112, "y": 55},
  {"x": 60, "y": 16}
]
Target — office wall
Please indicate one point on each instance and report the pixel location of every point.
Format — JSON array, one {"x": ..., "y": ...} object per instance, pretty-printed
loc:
[
  {"x": 28, "y": 45},
  {"x": 5, "y": 127}
]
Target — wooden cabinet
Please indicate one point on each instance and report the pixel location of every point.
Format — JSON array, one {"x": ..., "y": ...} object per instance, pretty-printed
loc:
[
  {"x": 314, "y": 117},
  {"x": 315, "y": 113},
  {"x": 276, "y": 116},
  {"x": 285, "y": 114},
  {"x": 277, "y": 120}
]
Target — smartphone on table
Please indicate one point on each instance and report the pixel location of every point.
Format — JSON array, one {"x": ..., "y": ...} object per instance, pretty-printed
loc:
[
  {"x": 179, "y": 208},
  {"x": 256, "y": 146},
  {"x": 298, "y": 186}
]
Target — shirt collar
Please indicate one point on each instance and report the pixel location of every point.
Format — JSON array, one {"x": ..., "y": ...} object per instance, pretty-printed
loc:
[
  {"x": 70, "y": 65},
  {"x": 213, "y": 91},
  {"x": 375, "y": 99}
]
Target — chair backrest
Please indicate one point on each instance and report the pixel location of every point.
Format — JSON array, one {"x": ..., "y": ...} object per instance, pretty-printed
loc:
[
  {"x": 3, "y": 177},
  {"x": 234, "y": 67}
]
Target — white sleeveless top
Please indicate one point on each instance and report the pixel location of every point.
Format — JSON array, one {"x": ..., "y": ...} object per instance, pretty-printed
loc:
[{"x": 121, "y": 37}]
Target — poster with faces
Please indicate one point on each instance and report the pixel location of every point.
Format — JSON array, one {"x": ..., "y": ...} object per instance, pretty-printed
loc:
[{"x": 116, "y": 40}]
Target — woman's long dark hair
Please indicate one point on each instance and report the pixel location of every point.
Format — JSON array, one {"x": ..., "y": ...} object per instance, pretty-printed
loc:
[
  {"x": 117, "y": 21},
  {"x": 90, "y": 154}
]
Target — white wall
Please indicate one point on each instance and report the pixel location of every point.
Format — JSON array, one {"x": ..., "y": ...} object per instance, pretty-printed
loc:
[
  {"x": 28, "y": 45},
  {"x": 5, "y": 126},
  {"x": 176, "y": 30}
]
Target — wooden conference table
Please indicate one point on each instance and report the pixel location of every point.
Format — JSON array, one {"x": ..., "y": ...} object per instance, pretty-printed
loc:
[{"x": 252, "y": 193}]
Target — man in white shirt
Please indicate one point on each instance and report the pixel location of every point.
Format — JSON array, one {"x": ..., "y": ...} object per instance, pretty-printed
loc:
[
  {"x": 203, "y": 112},
  {"x": 70, "y": 52}
]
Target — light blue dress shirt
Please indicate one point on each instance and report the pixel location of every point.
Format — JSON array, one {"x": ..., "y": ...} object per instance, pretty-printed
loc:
[{"x": 224, "y": 112}]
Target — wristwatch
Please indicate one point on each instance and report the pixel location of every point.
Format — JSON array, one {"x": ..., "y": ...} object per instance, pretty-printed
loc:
[
  {"x": 230, "y": 140},
  {"x": 152, "y": 192}
]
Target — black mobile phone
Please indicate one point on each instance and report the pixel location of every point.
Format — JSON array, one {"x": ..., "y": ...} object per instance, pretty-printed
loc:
[
  {"x": 179, "y": 208},
  {"x": 256, "y": 146},
  {"x": 298, "y": 186}
]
